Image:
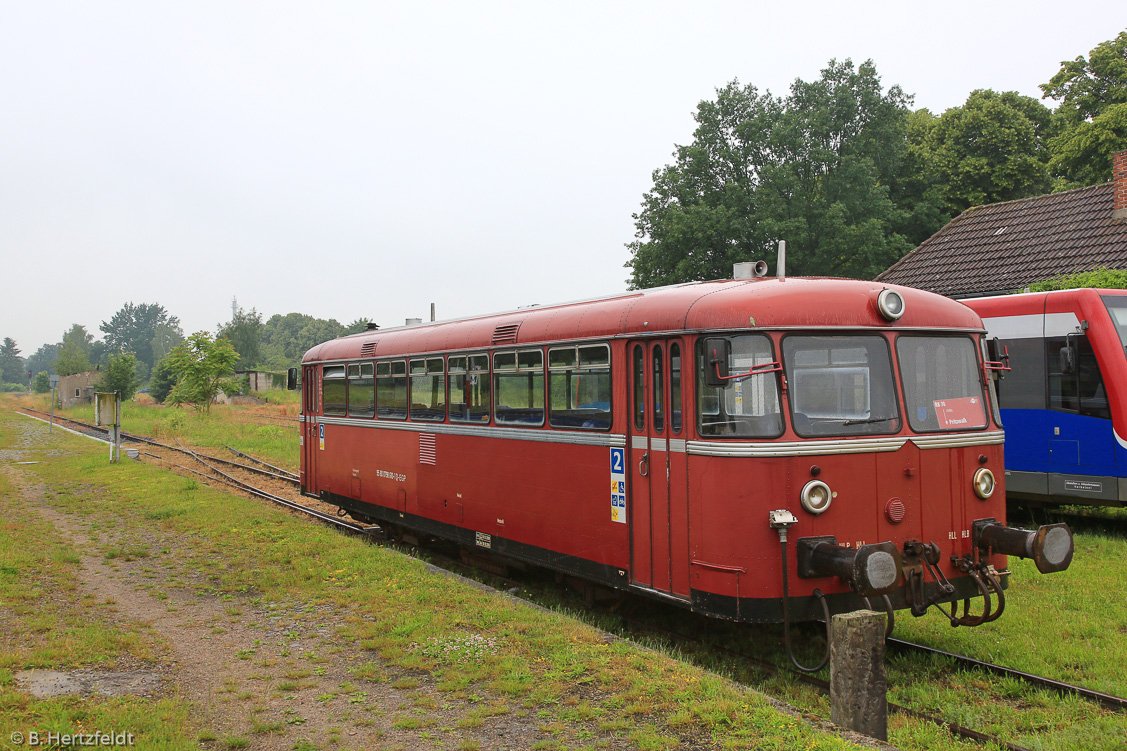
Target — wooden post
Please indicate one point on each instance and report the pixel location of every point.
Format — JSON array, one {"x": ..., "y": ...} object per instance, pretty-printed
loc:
[{"x": 858, "y": 683}]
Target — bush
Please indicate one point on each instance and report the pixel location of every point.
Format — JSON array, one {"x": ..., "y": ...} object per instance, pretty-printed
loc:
[
  {"x": 12, "y": 388},
  {"x": 1101, "y": 278}
]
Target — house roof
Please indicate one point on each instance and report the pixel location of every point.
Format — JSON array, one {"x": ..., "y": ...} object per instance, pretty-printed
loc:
[{"x": 1003, "y": 247}]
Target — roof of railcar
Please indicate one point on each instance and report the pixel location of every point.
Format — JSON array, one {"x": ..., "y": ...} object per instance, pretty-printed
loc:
[{"x": 764, "y": 303}]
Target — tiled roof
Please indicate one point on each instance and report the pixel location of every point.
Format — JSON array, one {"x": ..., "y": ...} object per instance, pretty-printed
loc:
[{"x": 1003, "y": 247}]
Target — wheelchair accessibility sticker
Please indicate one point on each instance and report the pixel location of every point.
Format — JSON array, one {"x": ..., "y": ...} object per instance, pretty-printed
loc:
[{"x": 618, "y": 485}]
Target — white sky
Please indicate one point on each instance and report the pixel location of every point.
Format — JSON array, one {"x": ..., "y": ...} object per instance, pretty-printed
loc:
[{"x": 365, "y": 159}]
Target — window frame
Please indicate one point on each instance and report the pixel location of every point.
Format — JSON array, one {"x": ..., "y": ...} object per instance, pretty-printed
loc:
[
  {"x": 518, "y": 368},
  {"x": 989, "y": 398},
  {"x": 392, "y": 375},
  {"x": 332, "y": 374},
  {"x": 451, "y": 373},
  {"x": 696, "y": 351},
  {"x": 896, "y": 424},
  {"x": 431, "y": 366},
  {"x": 360, "y": 375},
  {"x": 577, "y": 365}
]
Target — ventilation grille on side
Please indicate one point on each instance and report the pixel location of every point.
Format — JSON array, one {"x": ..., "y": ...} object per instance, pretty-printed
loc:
[
  {"x": 506, "y": 333},
  {"x": 369, "y": 349},
  {"x": 427, "y": 452}
]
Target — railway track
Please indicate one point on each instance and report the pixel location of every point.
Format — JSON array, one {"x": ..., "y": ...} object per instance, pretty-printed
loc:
[
  {"x": 215, "y": 474},
  {"x": 258, "y": 468}
]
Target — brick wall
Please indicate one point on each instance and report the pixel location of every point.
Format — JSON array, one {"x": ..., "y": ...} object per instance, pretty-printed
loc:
[{"x": 1119, "y": 178}]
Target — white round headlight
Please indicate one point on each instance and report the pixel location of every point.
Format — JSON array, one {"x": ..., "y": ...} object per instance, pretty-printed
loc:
[
  {"x": 816, "y": 496},
  {"x": 984, "y": 483},
  {"x": 890, "y": 304}
]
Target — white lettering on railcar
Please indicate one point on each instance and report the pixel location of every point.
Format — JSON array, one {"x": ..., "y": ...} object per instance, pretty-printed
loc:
[
  {"x": 397, "y": 476},
  {"x": 483, "y": 540}
]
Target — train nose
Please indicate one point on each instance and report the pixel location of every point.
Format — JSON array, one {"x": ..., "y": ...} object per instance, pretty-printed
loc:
[
  {"x": 1050, "y": 546},
  {"x": 871, "y": 570}
]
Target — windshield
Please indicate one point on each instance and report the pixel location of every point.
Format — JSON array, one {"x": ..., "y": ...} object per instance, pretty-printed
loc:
[
  {"x": 942, "y": 388},
  {"x": 1117, "y": 307},
  {"x": 841, "y": 385},
  {"x": 747, "y": 406}
]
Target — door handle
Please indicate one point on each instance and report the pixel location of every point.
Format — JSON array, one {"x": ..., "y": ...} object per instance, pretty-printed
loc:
[{"x": 644, "y": 465}]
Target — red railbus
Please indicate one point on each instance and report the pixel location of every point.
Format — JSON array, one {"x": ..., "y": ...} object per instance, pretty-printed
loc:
[{"x": 760, "y": 449}]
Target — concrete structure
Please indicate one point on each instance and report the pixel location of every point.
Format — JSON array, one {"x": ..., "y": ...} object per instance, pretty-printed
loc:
[{"x": 78, "y": 388}]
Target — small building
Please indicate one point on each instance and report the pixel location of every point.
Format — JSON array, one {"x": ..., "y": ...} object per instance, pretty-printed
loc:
[
  {"x": 1002, "y": 248},
  {"x": 77, "y": 388},
  {"x": 261, "y": 380}
]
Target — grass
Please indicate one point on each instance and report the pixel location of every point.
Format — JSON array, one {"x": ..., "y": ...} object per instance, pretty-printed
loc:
[
  {"x": 503, "y": 659},
  {"x": 469, "y": 643}
]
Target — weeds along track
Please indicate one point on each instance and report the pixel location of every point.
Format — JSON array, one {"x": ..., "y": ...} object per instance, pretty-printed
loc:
[
  {"x": 280, "y": 486},
  {"x": 258, "y": 478}
]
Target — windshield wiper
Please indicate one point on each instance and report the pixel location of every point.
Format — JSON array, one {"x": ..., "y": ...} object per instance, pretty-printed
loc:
[{"x": 868, "y": 421}]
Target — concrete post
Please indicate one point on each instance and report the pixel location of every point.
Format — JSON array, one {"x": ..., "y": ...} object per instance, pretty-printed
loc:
[{"x": 858, "y": 683}]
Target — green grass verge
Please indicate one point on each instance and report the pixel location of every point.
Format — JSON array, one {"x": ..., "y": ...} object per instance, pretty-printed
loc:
[{"x": 500, "y": 655}]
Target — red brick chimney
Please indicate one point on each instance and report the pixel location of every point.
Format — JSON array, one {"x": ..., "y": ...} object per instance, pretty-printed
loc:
[{"x": 1119, "y": 180}]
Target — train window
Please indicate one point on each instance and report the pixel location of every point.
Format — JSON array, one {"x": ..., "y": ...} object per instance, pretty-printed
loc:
[
  {"x": 942, "y": 383},
  {"x": 518, "y": 388},
  {"x": 579, "y": 387},
  {"x": 658, "y": 388},
  {"x": 638, "y": 373},
  {"x": 361, "y": 390},
  {"x": 841, "y": 385},
  {"x": 1075, "y": 382},
  {"x": 428, "y": 389},
  {"x": 391, "y": 389},
  {"x": 675, "y": 387},
  {"x": 334, "y": 390},
  {"x": 745, "y": 406},
  {"x": 469, "y": 388}
]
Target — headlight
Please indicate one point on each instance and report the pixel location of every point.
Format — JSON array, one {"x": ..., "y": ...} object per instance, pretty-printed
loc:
[
  {"x": 984, "y": 483},
  {"x": 890, "y": 304},
  {"x": 816, "y": 496}
]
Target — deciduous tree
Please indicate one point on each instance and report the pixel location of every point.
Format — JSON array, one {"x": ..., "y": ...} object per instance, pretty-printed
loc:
[
  {"x": 162, "y": 381},
  {"x": 992, "y": 148},
  {"x": 133, "y": 328},
  {"x": 244, "y": 331},
  {"x": 1092, "y": 114},
  {"x": 120, "y": 375},
  {"x": 824, "y": 169},
  {"x": 203, "y": 366},
  {"x": 74, "y": 352}
]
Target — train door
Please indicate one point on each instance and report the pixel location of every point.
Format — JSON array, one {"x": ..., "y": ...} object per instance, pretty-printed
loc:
[
  {"x": 659, "y": 518},
  {"x": 310, "y": 435}
]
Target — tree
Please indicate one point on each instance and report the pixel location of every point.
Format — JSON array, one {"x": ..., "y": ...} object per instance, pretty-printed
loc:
[
  {"x": 44, "y": 358},
  {"x": 285, "y": 339},
  {"x": 162, "y": 381},
  {"x": 360, "y": 324},
  {"x": 165, "y": 337},
  {"x": 11, "y": 364},
  {"x": 42, "y": 382},
  {"x": 826, "y": 169},
  {"x": 120, "y": 375},
  {"x": 991, "y": 149},
  {"x": 202, "y": 365},
  {"x": 74, "y": 352},
  {"x": 134, "y": 327},
  {"x": 244, "y": 331},
  {"x": 1092, "y": 114}
]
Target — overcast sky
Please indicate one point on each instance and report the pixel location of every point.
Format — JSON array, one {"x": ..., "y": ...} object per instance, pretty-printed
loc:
[{"x": 365, "y": 159}]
